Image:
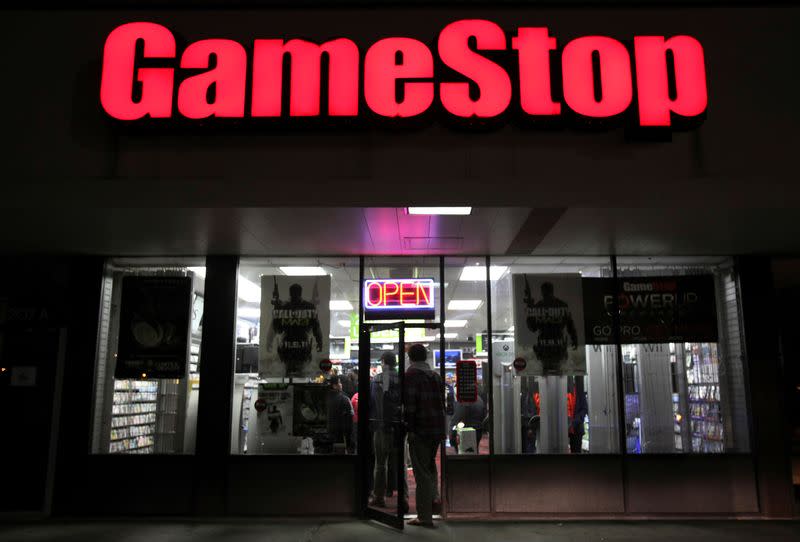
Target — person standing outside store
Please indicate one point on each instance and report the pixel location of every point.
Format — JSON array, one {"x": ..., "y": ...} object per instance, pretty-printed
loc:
[
  {"x": 424, "y": 417},
  {"x": 385, "y": 404}
]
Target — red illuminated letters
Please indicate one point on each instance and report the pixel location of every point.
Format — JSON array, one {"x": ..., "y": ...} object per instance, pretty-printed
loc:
[
  {"x": 120, "y": 74},
  {"x": 144, "y": 74},
  {"x": 492, "y": 80},
  {"x": 535, "y": 95},
  {"x": 691, "y": 96},
  {"x": 305, "y": 78},
  {"x": 227, "y": 78},
  {"x": 381, "y": 74},
  {"x": 580, "y": 93}
]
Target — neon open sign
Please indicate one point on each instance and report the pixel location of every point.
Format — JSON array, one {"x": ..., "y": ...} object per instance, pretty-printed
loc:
[
  {"x": 398, "y": 299},
  {"x": 475, "y": 71}
]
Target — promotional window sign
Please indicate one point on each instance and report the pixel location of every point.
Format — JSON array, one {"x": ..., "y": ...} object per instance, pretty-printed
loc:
[
  {"x": 652, "y": 309},
  {"x": 466, "y": 381},
  {"x": 154, "y": 327},
  {"x": 548, "y": 319},
  {"x": 399, "y": 299},
  {"x": 270, "y": 419},
  {"x": 476, "y": 70},
  {"x": 295, "y": 325}
]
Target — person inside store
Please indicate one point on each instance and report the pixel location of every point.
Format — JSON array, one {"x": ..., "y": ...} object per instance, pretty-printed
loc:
[
  {"x": 350, "y": 383},
  {"x": 577, "y": 409},
  {"x": 423, "y": 403},
  {"x": 385, "y": 407},
  {"x": 340, "y": 417},
  {"x": 471, "y": 414}
]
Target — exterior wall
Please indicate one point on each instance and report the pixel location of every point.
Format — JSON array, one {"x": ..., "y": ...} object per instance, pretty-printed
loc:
[{"x": 65, "y": 150}]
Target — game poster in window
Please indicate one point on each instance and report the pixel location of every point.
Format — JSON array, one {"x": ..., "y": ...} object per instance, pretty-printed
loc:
[
  {"x": 548, "y": 320},
  {"x": 295, "y": 325},
  {"x": 154, "y": 329}
]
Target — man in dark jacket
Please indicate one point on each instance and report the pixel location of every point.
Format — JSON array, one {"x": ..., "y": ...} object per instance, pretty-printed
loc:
[
  {"x": 340, "y": 415},
  {"x": 424, "y": 417}
]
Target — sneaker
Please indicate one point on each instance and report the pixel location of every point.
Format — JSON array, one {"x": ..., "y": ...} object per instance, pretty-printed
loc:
[{"x": 416, "y": 522}]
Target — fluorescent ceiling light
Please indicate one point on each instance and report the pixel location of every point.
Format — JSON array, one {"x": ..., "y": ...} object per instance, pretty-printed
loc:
[
  {"x": 464, "y": 304},
  {"x": 478, "y": 272},
  {"x": 439, "y": 210},
  {"x": 344, "y": 323},
  {"x": 340, "y": 305},
  {"x": 199, "y": 271},
  {"x": 303, "y": 271},
  {"x": 249, "y": 291},
  {"x": 455, "y": 323},
  {"x": 449, "y": 335},
  {"x": 249, "y": 312},
  {"x": 387, "y": 347}
]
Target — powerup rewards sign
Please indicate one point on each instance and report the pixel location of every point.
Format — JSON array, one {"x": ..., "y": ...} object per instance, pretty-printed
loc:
[
  {"x": 399, "y": 299},
  {"x": 475, "y": 71}
]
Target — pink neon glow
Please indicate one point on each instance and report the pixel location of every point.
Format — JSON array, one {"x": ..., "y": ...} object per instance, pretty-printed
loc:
[
  {"x": 381, "y": 73},
  {"x": 534, "y": 46},
  {"x": 691, "y": 97},
  {"x": 305, "y": 78},
  {"x": 228, "y": 77},
  {"x": 615, "y": 76},
  {"x": 120, "y": 73},
  {"x": 381, "y": 294},
  {"x": 492, "y": 80}
]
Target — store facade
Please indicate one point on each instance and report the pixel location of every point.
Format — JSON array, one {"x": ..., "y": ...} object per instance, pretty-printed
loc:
[{"x": 608, "y": 298}]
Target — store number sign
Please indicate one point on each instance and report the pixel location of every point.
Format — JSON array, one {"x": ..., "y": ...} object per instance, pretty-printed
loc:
[{"x": 399, "y": 299}]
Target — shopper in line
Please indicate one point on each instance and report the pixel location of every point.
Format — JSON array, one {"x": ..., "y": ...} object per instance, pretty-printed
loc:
[
  {"x": 340, "y": 415},
  {"x": 425, "y": 423},
  {"x": 385, "y": 404}
]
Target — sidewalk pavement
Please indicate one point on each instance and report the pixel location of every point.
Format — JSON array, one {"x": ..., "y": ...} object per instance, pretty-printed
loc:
[{"x": 259, "y": 530}]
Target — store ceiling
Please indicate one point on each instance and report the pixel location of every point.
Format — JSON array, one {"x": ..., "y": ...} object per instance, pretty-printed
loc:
[{"x": 697, "y": 229}]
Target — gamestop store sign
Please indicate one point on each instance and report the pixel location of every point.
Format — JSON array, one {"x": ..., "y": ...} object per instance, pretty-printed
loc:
[{"x": 474, "y": 70}]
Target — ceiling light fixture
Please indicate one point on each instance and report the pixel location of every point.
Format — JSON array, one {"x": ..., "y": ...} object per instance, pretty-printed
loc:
[
  {"x": 439, "y": 210},
  {"x": 303, "y": 271},
  {"x": 464, "y": 304},
  {"x": 478, "y": 272},
  {"x": 249, "y": 290},
  {"x": 455, "y": 323}
]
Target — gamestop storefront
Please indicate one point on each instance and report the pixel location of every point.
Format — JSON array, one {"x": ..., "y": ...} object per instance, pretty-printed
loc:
[{"x": 602, "y": 293}]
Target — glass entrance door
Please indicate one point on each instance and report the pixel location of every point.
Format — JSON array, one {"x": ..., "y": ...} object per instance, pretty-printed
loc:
[{"x": 388, "y": 488}]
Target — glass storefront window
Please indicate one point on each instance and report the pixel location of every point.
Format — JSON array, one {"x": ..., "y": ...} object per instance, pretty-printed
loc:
[
  {"x": 466, "y": 347},
  {"x": 554, "y": 390},
  {"x": 147, "y": 380},
  {"x": 296, "y": 372},
  {"x": 682, "y": 356}
]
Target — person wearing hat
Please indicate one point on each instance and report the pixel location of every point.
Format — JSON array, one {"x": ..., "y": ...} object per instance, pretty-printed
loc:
[
  {"x": 385, "y": 403},
  {"x": 340, "y": 415}
]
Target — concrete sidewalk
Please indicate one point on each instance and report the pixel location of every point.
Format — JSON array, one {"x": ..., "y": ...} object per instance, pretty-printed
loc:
[{"x": 149, "y": 530}]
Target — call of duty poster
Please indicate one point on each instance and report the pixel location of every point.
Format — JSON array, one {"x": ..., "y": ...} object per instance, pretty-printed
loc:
[
  {"x": 154, "y": 327},
  {"x": 295, "y": 324},
  {"x": 548, "y": 320},
  {"x": 653, "y": 310}
]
